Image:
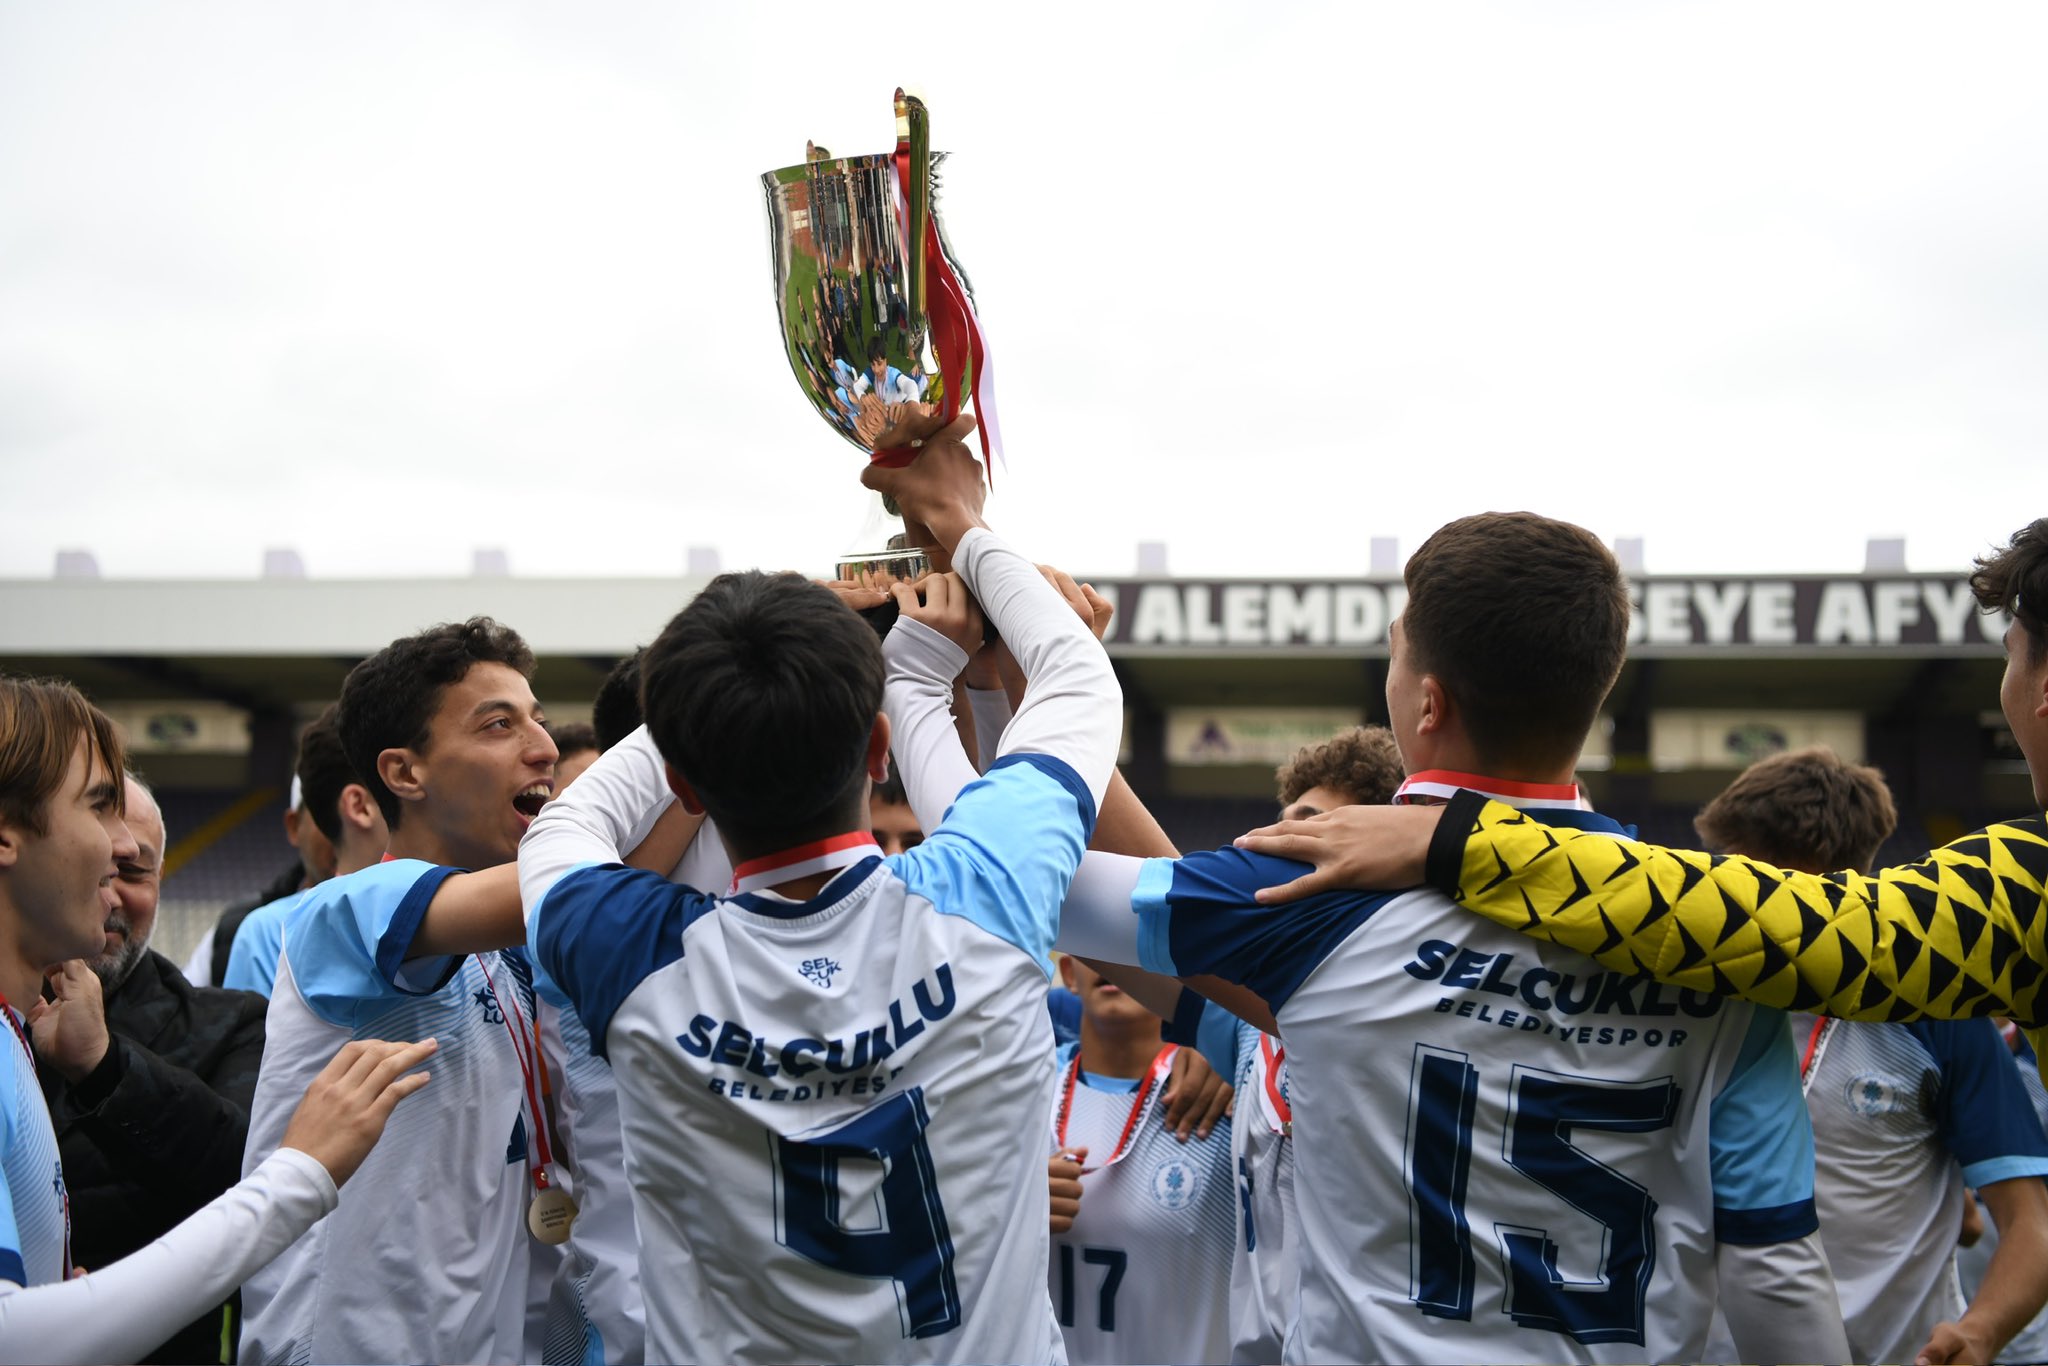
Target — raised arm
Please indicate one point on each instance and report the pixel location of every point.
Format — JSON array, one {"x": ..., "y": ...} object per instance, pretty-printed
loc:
[{"x": 618, "y": 804}]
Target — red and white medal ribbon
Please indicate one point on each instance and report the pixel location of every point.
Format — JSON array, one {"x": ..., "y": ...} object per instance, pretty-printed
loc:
[
  {"x": 1816, "y": 1049},
  {"x": 819, "y": 856},
  {"x": 958, "y": 335},
  {"x": 1141, "y": 1105},
  {"x": 526, "y": 1052},
  {"x": 1437, "y": 785},
  {"x": 14, "y": 1022},
  {"x": 1273, "y": 1106}
]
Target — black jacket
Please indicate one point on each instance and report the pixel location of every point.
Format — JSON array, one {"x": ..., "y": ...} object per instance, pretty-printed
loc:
[{"x": 157, "y": 1130}]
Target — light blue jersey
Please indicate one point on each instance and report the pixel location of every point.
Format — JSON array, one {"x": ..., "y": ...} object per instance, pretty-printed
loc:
[
  {"x": 252, "y": 961},
  {"x": 34, "y": 1211}
]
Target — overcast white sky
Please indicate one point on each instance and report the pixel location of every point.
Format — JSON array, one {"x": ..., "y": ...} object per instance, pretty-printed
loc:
[{"x": 387, "y": 282}]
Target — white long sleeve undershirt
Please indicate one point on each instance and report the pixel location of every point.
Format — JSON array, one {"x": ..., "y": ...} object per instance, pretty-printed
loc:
[{"x": 121, "y": 1311}]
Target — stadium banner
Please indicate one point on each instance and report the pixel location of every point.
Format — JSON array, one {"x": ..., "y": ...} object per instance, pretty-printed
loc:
[
  {"x": 1210, "y": 736},
  {"x": 182, "y": 727},
  {"x": 1909, "y": 613},
  {"x": 1682, "y": 738}
]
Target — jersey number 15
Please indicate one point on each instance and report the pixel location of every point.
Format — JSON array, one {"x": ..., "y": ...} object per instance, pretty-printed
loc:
[{"x": 1543, "y": 1110}]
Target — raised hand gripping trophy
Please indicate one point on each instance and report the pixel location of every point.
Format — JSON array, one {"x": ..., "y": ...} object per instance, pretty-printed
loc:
[{"x": 877, "y": 317}]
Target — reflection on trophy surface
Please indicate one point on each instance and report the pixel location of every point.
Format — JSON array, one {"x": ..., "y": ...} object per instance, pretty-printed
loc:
[{"x": 877, "y": 319}]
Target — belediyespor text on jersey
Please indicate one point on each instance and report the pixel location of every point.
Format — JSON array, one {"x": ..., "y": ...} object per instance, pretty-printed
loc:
[
  {"x": 425, "y": 1257},
  {"x": 834, "y": 1110},
  {"x": 1897, "y": 1110},
  {"x": 1503, "y": 1152},
  {"x": 1144, "y": 1273}
]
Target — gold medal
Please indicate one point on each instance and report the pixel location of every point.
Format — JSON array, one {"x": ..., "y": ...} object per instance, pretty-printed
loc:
[{"x": 550, "y": 1215}]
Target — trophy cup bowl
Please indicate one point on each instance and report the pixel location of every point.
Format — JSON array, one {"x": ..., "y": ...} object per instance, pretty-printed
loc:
[{"x": 877, "y": 321}]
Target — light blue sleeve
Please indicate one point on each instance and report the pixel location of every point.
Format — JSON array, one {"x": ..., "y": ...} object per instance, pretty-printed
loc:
[
  {"x": 252, "y": 962},
  {"x": 346, "y": 945},
  {"x": 1761, "y": 1141},
  {"x": 12, "y": 1267},
  {"x": 1007, "y": 850}
]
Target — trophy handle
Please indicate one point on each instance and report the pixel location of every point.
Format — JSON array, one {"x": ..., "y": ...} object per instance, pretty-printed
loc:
[{"x": 914, "y": 145}]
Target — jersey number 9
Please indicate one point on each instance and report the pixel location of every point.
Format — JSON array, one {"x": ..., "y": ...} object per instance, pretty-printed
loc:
[{"x": 904, "y": 1236}]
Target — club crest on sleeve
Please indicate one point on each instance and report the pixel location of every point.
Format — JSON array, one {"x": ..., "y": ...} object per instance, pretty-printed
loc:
[
  {"x": 819, "y": 972},
  {"x": 1175, "y": 1184}
]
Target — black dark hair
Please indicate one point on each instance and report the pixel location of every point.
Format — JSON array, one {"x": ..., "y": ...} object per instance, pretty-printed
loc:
[
  {"x": 616, "y": 712},
  {"x": 572, "y": 737},
  {"x": 388, "y": 700},
  {"x": 2015, "y": 579},
  {"x": 1524, "y": 620},
  {"x": 763, "y": 693},
  {"x": 324, "y": 770}
]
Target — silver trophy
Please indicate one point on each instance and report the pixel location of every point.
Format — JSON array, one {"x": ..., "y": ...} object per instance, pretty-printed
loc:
[{"x": 878, "y": 320}]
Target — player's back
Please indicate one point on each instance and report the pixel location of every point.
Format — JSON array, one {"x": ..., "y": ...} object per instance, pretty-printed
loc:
[
  {"x": 1538, "y": 1141},
  {"x": 853, "y": 1093}
]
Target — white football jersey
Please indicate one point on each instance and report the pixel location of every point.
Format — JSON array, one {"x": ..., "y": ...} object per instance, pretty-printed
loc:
[
  {"x": 1904, "y": 1115},
  {"x": 834, "y": 1111},
  {"x": 594, "y": 1311},
  {"x": 1504, "y": 1151},
  {"x": 1144, "y": 1273},
  {"x": 1265, "y": 1271},
  {"x": 35, "y": 1213},
  {"x": 425, "y": 1257}
]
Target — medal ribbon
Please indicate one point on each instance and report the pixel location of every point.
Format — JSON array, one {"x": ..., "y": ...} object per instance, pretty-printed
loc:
[
  {"x": 957, "y": 333},
  {"x": 28, "y": 1050},
  {"x": 1273, "y": 1102},
  {"x": 524, "y": 1049},
  {"x": 1141, "y": 1104},
  {"x": 819, "y": 856},
  {"x": 1816, "y": 1046}
]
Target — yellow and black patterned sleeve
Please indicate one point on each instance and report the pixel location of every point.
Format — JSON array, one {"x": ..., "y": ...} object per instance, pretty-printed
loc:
[{"x": 1958, "y": 934}]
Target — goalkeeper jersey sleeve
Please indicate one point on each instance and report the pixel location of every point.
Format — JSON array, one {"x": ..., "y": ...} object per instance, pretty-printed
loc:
[{"x": 1958, "y": 934}]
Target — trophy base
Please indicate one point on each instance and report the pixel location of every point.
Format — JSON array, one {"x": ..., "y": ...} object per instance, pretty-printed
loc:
[{"x": 883, "y": 567}]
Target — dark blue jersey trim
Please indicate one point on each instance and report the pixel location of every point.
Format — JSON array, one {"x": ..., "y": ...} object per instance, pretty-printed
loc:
[
  {"x": 1061, "y": 772},
  {"x": 1757, "y": 1227},
  {"x": 397, "y": 938},
  {"x": 11, "y": 1268}
]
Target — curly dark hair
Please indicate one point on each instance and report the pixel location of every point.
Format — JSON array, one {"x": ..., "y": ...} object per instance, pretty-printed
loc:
[
  {"x": 1361, "y": 764},
  {"x": 388, "y": 700},
  {"x": 763, "y": 692},
  {"x": 2015, "y": 579}
]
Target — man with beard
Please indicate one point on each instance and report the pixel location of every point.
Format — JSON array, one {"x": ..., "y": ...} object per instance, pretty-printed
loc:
[{"x": 148, "y": 1080}]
